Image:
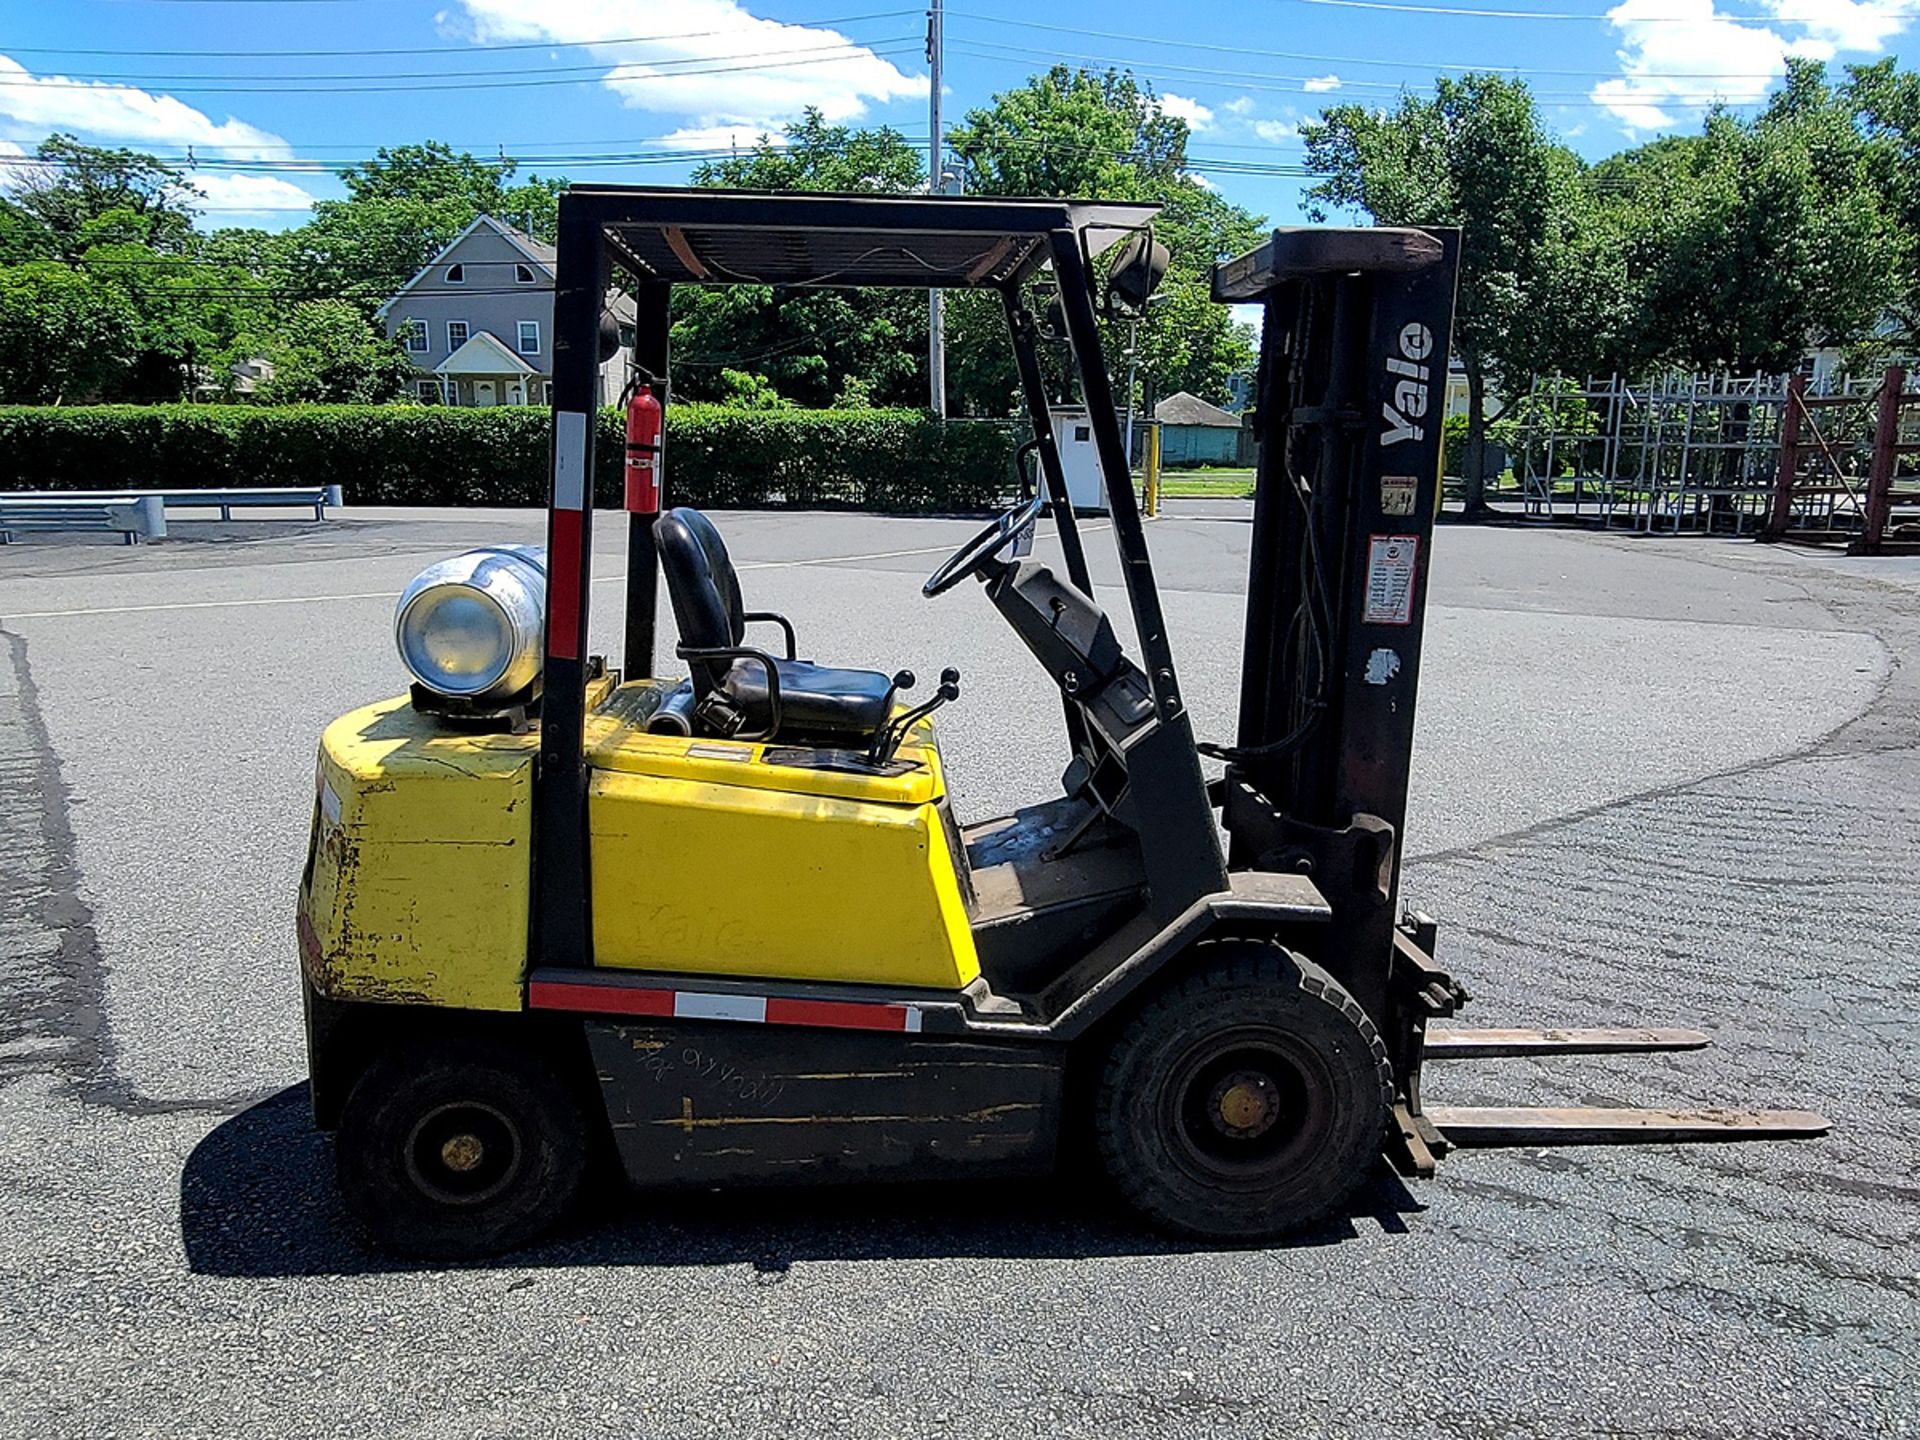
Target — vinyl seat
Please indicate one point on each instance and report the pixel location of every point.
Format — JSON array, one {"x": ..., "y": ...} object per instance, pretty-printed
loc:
[{"x": 817, "y": 703}]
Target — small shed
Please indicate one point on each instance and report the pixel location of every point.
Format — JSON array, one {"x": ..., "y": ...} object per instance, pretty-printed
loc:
[{"x": 1192, "y": 432}]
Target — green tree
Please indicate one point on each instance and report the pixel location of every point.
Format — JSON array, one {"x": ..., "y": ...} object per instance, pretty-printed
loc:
[
  {"x": 810, "y": 345},
  {"x": 1751, "y": 241},
  {"x": 456, "y": 186},
  {"x": 1074, "y": 133},
  {"x": 23, "y": 237},
  {"x": 402, "y": 207},
  {"x": 63, "y": 336},
  {"x": 327, "y": 351},
  {"x": 1474, "y": 155},
  {"x": 190, "y": 315},
  {"x": 1886, "y": 105},
  {"x": 82, "y": 195},
  {"x": 814, "y": 155}
]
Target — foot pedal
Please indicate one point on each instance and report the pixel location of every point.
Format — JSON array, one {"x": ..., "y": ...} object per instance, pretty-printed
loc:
[
  {"x": 1498, "y": 1127},
  {"x": 1501, "y": 1044}
]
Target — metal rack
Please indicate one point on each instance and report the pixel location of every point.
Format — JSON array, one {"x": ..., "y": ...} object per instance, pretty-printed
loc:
[{"x": 1676, "y": 451}]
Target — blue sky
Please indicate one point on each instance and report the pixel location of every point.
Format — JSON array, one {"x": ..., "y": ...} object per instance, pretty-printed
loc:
[{"x": 617, "y": 90}]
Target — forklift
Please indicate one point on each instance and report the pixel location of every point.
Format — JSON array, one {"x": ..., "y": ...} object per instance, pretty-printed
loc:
[{"x": 716, "y": 923}]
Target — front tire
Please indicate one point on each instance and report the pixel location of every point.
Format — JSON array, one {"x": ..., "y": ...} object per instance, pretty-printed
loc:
[
  {"x": 456, "y": 1151},
  {"x": 1248, "y": 1098}
]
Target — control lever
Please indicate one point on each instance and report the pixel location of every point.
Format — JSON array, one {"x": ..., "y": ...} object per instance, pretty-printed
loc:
[{"x": 888, "y": 739}]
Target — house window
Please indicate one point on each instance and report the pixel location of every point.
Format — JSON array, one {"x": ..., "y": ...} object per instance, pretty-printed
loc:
[
  {"x": 523, "y": 274},
  {"x": 529, "y": 337},
  {"x": 413, "y": 335},
  {"x": 456, "y": 335},
  {"x": 456, "y": 275},
  {"x": 428, "y": 391}
]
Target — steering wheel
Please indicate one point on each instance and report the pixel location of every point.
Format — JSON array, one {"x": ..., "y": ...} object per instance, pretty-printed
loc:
[{"x": 974, "y": 556}]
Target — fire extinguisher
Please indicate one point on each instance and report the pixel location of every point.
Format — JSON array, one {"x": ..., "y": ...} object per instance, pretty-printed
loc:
[{"x": 644, "y": 417}]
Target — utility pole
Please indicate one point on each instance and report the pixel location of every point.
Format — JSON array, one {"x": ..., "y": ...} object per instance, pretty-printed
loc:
[{"x": 936, "y": 301}]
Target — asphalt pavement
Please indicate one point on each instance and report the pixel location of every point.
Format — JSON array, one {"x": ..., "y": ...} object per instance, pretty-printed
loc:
[{"x": 1657, "y": 781}]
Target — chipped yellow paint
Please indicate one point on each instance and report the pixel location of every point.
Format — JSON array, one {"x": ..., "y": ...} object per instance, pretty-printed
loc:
[{"x": 418, "y": 890}]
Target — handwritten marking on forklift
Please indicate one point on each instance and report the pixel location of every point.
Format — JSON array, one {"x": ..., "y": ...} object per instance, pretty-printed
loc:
[
  {"x": 1390, "y": 565},
  {"x": 1409, "y": 401}
]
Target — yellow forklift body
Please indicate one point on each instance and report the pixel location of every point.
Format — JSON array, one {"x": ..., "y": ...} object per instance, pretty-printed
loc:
[
  {"x": 709, "y": 857},
  {"x": 712, "y": 857}
]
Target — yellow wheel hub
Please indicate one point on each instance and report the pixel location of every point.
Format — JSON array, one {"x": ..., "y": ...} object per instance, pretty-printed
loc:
[
  {"x": 1245, "y": 1104},
  {"x": 462, "y": 1152}
]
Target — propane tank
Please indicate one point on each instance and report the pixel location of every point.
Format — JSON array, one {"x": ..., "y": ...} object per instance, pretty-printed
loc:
[{"x": 470, "y": 627}]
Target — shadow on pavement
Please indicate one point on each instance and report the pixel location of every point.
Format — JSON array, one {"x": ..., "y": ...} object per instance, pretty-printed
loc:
[{"x": 257, "y": 1199}]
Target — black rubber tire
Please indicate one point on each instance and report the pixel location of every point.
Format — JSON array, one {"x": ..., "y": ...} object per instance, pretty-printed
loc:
[
  {"x": 1321, "y": 1086},
  {"x": 396, "y": 1181}
]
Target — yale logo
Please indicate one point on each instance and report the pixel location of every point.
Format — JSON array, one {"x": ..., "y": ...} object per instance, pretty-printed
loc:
[{"x": 1409, "y": 402}]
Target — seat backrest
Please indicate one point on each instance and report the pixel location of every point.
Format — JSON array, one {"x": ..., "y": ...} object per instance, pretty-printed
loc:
[{"x": 701, "y": 584}]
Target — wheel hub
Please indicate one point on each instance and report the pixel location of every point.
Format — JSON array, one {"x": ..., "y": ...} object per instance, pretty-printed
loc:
[
  {"x": 1244, "y": 1105},
  {"x": 462, "y": 1152}
]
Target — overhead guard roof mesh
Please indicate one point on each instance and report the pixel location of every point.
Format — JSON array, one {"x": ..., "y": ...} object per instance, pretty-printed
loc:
[{"x": 731, "y": 237}]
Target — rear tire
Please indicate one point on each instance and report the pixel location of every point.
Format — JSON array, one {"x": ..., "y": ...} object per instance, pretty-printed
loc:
[
  {"x": 459, "y": 1150},
  {"x": 1246, "y": 1099}
]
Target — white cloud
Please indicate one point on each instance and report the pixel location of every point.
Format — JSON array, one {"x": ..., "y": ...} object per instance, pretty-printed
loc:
[
  {"x": 33, "y": 105},
  {"x": 726, "y": 69},
  {"x": 230, "y": 198},
  {"x": 1278, "y": 132},
  {"x": 1202, "y": 181},
  {"x": 1197, "y": 116},
  {"x": 720, "y": 137},
  {"x": 1241, "y": 105},
  {"x": 1321, "y": 83},
  {"x": 1834, "y": 26},
  {"x": 1683, "y": 55}
]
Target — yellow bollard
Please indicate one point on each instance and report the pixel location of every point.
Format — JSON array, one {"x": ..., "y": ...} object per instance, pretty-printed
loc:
[{"x": 1153, "y": 470}]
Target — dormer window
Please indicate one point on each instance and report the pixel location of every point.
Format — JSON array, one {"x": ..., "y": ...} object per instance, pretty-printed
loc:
[
  {"x": 456, "y": 275},
  {"x": 523, "y": 274}
]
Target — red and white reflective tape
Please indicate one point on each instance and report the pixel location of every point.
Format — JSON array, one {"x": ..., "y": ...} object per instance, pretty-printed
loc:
[
  {"x": 706, "y": 1005},
  {"x": 564, "y": 555}
]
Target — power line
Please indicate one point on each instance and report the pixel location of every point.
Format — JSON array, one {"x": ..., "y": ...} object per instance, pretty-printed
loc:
[
  {"x": 844, "y": 49},
  {"x": 1589, "y": 15},
  {"x": 1204, "y": 78},
  {"x": 413, "y": 89},
  {"x": 1318, "y": 59},
  {"x": 474, "y": 46}
]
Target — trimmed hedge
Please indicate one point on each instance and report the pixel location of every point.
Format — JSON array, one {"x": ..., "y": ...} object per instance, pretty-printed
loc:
[{"x": 902, "y": 461}]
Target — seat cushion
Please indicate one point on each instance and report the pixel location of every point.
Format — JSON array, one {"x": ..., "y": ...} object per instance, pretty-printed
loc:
[{"x": 814, "y": 699}]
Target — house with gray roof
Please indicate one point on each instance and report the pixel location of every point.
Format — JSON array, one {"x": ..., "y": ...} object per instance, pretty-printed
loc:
[
  {"x": 477, "y": 321},
  {"x": 1193, "y": 432}
]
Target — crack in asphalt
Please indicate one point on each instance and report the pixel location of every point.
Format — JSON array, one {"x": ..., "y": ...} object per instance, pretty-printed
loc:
[{"x": 52, "y": 973}]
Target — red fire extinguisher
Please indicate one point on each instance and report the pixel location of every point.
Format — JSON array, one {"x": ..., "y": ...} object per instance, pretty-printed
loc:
[{"x": 644, "y": 417}]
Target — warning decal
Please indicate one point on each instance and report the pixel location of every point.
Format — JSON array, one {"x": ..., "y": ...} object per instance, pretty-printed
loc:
[{"x": 1390, "y": 560}]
